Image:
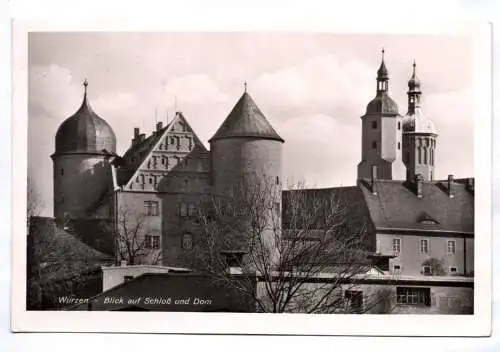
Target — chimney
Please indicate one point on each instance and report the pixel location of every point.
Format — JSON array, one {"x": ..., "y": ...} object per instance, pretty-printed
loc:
[
  {"x": 470, "y": 184},
  {"x": 373, "y": 179},
  {"x": 451, "y": 191},
  {"x": 419, "y": 180},
  {"x": 136, "y": 135},
  {"x": 159, "y": 126}
]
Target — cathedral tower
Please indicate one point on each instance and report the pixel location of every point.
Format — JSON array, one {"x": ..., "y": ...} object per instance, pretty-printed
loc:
[
  {"x": 381, "y": 134},
  {"x": 82, "y": 174},
  {"x": 419, "y": 135}
]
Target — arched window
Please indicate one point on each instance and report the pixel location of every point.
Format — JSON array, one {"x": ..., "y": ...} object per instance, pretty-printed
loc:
[
  {"x": 425, "y": 155},
  {"x": 419, "y": 152},
  {"x": 187, "y": 241}
]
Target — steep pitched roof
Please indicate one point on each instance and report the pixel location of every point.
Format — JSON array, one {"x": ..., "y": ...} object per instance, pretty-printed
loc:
[
  {"x": 146, "y": 148},
  {"x": 396, "y": 206},
  {"x": 246, "y": 120},
  {"x": 61, "y": 253},
  {"x": 351, "y": 213}
]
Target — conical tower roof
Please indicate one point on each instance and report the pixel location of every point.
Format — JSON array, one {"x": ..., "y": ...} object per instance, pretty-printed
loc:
[{"x": 246, "y": 120}]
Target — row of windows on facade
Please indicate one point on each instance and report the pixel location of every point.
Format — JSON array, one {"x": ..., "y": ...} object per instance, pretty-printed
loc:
[
  {"x": 152, "y": 208},
  {"x": 166, "y": 161},
  {"x": 153, "y": 180},
  {"x": 375, "y": 125},
  {"x": 153, "y": 241},
  {"x": 425, "y": 269},
  {"x": 424, "y": 246},
  {"x": 416, "y": 296}
]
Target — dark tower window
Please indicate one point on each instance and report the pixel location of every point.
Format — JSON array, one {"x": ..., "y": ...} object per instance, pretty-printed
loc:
[
  {"x": 399, "y": 145},
  {"x": 62, "y": 172},
  {"x": 399, "y": 125},
  {"x": 277, "y": 180},
  {"x": 374, "y": 144},
  {"x": 374, "y": 125}
]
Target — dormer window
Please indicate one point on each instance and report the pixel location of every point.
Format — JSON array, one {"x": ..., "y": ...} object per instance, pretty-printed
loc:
[{"x": 426, "y": 219}]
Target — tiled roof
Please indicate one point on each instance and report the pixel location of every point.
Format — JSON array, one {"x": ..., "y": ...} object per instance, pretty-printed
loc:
[
  {"x": 352, "y": 214},
  {"x": 246, "y": 120},
  {"x": 145, "y": 147},
  {"x": 382, "y": 104},
  {"x": 60, "y": 253},
  {"x": 396, "y": 206}
]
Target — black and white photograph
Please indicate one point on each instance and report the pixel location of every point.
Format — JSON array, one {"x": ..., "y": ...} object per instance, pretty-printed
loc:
[{"x": 309, "y": 173}]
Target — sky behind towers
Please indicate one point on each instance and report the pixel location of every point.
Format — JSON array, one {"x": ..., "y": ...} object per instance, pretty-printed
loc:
[{"x": 312, "y": 87}]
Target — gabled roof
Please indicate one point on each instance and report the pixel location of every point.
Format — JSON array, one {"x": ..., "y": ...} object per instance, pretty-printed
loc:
[
  {"x": 246, "y": 120},
  {"x": 396, "y": 206},
  {"x": 126, "y": 175}
]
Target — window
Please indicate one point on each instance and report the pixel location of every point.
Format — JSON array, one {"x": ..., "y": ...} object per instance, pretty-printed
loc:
[
  {"x": 452, "y": 246},
  {"x": 151, "y": 208},
  {"x": 453, "y": 270},
  {"x": 277, "y": 180},
  {"x": 191, "y": 210},
  {"x": 156, "y": 242},
  {"x": 374, "y": 144},
  {"x": 132, "y": 159},
  {"x": 151, "y": 242},
  {"x": 354, "y": 300},
  {"x": 183, "y": 210},
  {"x": 374, "y": 124},
  {"x": 399, "y": 125},
  {"x": 399, "y": 145},
  {"x": 427, "y": 270},
  {"x": 397, "y": 267},
  {"x": 62, "y": 172},
  {"x": 413, "y": 296},
  {"x": 187, "y": 241},
  {"x": 424, "y": 246},
  {"x": 396, "y": 245},
  {"x": 127, "y": 278},
  {"x": 172, "y": 140},
  {"x": 151, "y": 180}
]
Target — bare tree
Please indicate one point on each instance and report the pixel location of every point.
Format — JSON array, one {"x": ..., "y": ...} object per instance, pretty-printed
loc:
[
  {"x": 134, "y": 242},
  {"x": 308, "y": 257},
  {"x": 33, "y": 202}
]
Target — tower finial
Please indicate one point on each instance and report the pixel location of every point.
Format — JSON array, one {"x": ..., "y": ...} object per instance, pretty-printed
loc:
[
  {"x": 85, "y": 84},
  {"x": 245, "y": 85},
  {"x": 383, "y": 52}
]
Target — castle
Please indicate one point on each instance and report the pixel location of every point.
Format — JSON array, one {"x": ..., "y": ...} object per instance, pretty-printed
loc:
[{"x": 162, "y": 177}]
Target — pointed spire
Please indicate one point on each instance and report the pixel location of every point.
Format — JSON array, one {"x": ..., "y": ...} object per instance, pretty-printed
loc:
[
  {"x": 245, "y": 84},
  {"x": 414, "y": 82}
]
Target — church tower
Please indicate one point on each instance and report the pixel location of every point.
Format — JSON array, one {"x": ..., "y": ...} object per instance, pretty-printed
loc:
[
  {"x": 82, "y": 173},
  {"x": 419, "y": 135},
  {"x": 382, "y": 134}
]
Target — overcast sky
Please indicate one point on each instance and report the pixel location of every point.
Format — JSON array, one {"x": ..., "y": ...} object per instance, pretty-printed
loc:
[{"x": 312, "y": 87}]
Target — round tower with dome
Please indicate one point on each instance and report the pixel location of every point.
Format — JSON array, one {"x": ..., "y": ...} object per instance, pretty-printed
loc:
[
  {"x": 82, "y": 175},
  {"x": 381, "y": 134},
  {"x": 419, "y": 135}
]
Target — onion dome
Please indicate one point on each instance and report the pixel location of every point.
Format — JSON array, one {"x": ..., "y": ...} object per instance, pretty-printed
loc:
[
  {"x": 246, "y": 120},
  {"x": 418, "y": 123},
  {"x": 414, "y": 82},
  {"x": 85, "y": 132}
]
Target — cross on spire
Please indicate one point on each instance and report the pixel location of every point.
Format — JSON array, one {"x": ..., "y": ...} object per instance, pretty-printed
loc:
[
  {"x": 383, "y": 51},
  {"x": 245, "y": 86},
  {"x": 85, "y": 84}
]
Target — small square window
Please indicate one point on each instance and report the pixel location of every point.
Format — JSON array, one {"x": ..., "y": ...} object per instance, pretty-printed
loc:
[
  {"x": 427, "y": 270},
  {"x": 453, "y": 270},
  {"x": 147, "y": 241},
  {"x": 374, "y": 144},
  {"x": 374, "y": 124},
  {"x": 156, "y": 242},
  {"x": 62, "y": 172}
]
